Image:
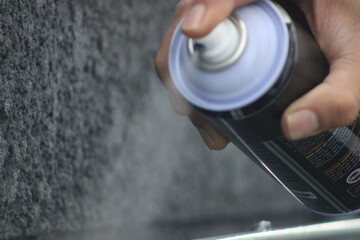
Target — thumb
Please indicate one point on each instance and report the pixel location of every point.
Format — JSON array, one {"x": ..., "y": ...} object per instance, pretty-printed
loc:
[
  {"x": 333, "y": 103},
  {"x": 204, "y": 15}
]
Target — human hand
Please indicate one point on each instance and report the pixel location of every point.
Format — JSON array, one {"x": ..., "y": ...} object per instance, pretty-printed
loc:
[
  {"x": 335, "y": 102},
  {"x": 336, "y": 26}
]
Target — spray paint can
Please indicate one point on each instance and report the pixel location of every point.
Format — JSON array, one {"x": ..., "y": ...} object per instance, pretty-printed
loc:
[{"x": 243, "y": 75}]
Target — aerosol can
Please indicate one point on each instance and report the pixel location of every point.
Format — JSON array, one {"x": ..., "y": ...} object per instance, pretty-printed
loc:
[{"x": 243, "y": 75}]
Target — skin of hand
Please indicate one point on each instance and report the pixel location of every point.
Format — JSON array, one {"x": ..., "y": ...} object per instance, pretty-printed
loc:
[{"x": 333, "y": 103}]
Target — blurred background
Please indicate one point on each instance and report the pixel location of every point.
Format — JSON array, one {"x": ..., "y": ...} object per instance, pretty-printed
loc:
[{"x": 90, "y": 147}]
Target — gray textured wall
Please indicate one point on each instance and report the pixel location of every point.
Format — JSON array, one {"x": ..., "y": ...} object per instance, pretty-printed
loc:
[{"x": 87, "y": 137}]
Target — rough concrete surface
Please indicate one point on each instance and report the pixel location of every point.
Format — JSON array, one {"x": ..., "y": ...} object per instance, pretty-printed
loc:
[{"x": 88, "y": 138}]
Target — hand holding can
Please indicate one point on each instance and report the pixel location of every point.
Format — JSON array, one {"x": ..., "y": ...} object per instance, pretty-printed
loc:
[
  {"x": 335, "y": 25},
  {"x": 248, "y": 107}
]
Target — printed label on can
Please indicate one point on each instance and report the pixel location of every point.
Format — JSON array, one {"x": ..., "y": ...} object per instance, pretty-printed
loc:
[
  {"x": 354, "y": 177},
  {"x": 329, "y": 161}
]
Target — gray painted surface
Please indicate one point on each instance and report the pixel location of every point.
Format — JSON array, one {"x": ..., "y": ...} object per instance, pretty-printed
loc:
[{"x": 88, "y": 139}]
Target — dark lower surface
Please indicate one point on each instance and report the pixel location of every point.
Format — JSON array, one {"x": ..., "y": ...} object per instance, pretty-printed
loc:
[{"x": 89, "y": 144}]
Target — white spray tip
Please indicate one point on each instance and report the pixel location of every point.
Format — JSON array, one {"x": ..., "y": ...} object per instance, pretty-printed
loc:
[{"x": 222, "y": 46}]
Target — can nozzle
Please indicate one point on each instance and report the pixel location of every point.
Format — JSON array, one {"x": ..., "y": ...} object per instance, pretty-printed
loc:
[{"x": 221, "y": 47}]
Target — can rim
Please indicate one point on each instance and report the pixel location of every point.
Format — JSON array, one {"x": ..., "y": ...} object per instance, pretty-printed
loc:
[{"x": 181, "y": 70}]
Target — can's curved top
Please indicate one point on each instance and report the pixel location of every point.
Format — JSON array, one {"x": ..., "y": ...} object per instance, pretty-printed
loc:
[{"x": 249, "y": 77}]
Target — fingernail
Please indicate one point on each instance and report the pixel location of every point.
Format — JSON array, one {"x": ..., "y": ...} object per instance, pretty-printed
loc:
[
  {"x": 207, "y": 138},
  {"x": 302, "y": 124},
  {"x": 194, "y": 17}
]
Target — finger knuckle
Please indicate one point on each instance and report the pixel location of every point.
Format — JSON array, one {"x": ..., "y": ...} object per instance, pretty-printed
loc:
[
  {"x": 181, "y": 7},
  {"x": 159, "y": 63},
  {"x": 198, "y": 123},
  {"x": 197, "y": 120},
  {"x": 347, "y": 110}
]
